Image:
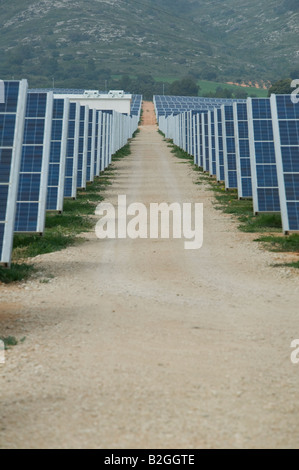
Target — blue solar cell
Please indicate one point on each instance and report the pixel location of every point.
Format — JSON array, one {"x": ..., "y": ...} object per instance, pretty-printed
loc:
[
  {"x": 219, "y": 145},
  {"x": 58, "y": 149},
  {"x": 212, "y": 143},
  {"x": 90, "y": 146},
  {"x": 286, "y": 139},
  {"x": 72, "y": 151},
  {"x": 5, "y": 164},
  {"x": 12, "y": 116},
  {"x": 262, "y": 156},
  {"x": 242, "y": 150},
  {"x": 7, "y": 129},
  {"x": 229, "y": 147},
  {"x": 82, "y": 152},
  {"x": 205, "y": 138},
  {"x": 32, "y": 191}
]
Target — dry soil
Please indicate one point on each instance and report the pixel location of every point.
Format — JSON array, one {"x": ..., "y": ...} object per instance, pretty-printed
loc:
[{"x": 143, "y": 344}]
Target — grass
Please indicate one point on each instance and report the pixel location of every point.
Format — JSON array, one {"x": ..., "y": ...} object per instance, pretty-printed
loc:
[
  {"x": 10, "y": 341},
  {"x": 281, "y": 244},
  {"x": 16, "y": 273},
  {"x": 207, "y": 86},
  {"x": 61, "y": 230}
]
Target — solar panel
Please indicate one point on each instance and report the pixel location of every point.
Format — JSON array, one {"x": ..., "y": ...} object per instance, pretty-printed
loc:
[
  {"x": 242, "y": 151},
  {"x": 201, "y": 141},
  {"x": 33, "y": 182},
  {"x": 96, "y": 144},
  {"x": 58, "y": 148},
  {"x": 12, "y": 117},
  {"x": 212, "y": 144},
  {"x": 185, "y": 132},
  {"x": 90, "y": 145},
  {"x": 265, "y": 192},
  {"x": 104, "y": 146},
  {"x": 219, "y": 145},
  {"x": 109, "y": 136},
  {"x": 229, "y": 148},
  {"x": 82, "y": 151},
  {"x": 71, "y": 161},
  {"x": 285, "y": 116},
  {"x": 166, "y": 105},
  {"x": 101, "y": 156},
  {"x": 205, "y": 140},
  {"x": 189, "y": 134},
  {"x": 195, "y": 125}
]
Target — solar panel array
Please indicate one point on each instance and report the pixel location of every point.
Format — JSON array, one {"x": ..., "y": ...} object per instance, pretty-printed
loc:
[
  {"x": 136, "y": 105},
  {"x": 12, "y": 117},
  {"x": 167, "y": 105},
  {"x": 265, "y": 191},
  {"x": 219, "y": 145},
  {"x": 286, "y": 132},
  {"x": 49, "y": 148},
  {"x": 229, "y": 147},
  {"x": 242, "y": 150},
  {"x": 251, "y": 145},
  {"x": 33, "y": 182},
  {"x": 60, "y": 122},
  {"x": 71, "y": 158}
]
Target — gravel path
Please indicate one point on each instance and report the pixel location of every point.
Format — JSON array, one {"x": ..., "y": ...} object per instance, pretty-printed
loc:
[{"x": 142, "y": 344}]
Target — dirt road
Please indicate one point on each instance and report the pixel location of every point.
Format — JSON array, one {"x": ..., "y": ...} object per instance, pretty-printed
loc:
[{"x": 143, "y": 344}]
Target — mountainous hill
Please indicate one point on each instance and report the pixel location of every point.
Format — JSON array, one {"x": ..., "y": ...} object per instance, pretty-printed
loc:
[{"x": 74, "y": 41}]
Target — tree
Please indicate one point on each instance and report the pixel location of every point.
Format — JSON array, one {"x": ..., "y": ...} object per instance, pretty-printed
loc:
[
  {"x": 240, "y": 94},
  {"x": 281, "y": 87},
  {"x": 185, "y": 87}
]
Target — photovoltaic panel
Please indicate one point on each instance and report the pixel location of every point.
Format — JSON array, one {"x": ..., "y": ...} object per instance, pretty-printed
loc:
[
  {"x": 205, "y": 142},
  {"x": 285, "y": 115},
  {"x": 190, "y": 140},
  {"x": 12, "y": 118},
  {"x": 82, "y": 151},
  {"x": 212, "y": 144},
  {"x": 201, "y": 141},
  {"x": 229, "y": 148},
  {"x": 265, "y": 191},
  {"x": 57, "y": 161},
  {"x": 196, "y": 137},
  {"x": 219, "y": 144},
  {"x": 71, "y": 165},
  {"x": 242, "y": 150},
  {"x": 108, "y": 137},
  {"x": 96, "y": 145},
  {"x": 185, "y": 120},
  {"x": 90, "y": 145},
  {"x": 104, "y": 146},
  {"x": 33, "y": 182},
  {"x": 101, "y": 150}
]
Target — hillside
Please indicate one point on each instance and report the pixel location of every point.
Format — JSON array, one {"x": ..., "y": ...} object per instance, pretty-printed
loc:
[{"x": 74, "y": 41}]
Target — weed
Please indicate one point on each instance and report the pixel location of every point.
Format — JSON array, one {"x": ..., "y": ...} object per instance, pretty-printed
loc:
[
  {"x": 281, "y": 243},
  {"x": 16, "y": 273},
  {"x": 9, "y": 341}
]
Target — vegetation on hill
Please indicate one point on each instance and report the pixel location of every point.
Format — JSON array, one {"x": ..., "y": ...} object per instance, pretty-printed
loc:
[{"x": 73, "y": 43}]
